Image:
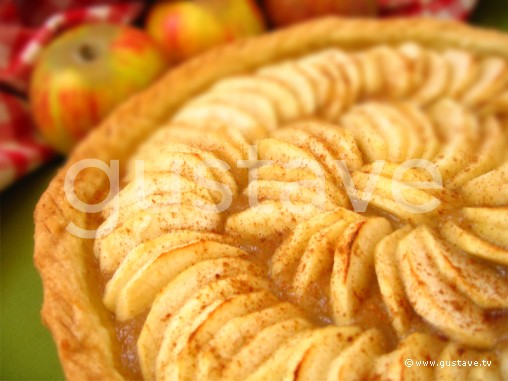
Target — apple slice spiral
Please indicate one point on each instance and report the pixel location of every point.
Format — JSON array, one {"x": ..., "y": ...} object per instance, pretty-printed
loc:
[{"x": 344, "y": 193}]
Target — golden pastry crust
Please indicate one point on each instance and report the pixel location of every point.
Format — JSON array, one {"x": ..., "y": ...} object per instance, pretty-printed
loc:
[{"x": 73, "y": 309}]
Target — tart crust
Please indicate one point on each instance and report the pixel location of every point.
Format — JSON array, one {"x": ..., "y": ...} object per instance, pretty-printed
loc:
[{"x": 73, "y": 310}]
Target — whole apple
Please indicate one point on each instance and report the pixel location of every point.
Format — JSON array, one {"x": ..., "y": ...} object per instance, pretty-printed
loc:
[
  {"x": 287, "y": 12},
  {"x": 82, "y": 75},
  {"x": 186, "y": 28}
]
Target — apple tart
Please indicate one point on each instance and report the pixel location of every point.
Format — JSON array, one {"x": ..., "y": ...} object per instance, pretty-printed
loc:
[{"x": 327, "y": 202}]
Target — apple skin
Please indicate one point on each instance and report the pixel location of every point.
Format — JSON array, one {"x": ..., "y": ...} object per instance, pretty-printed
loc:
[
  {"x": 184, "y": 28},
  {"x": 286, "y": 12},
  {"x": 85, "y": 73}
]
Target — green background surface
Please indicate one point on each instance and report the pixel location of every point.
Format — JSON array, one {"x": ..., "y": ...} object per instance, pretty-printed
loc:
[{"x": 27, "y": 351}]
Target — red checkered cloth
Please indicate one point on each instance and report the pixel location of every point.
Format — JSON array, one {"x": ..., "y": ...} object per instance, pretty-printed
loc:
[
  {"x": 26, "y": 26},
  {"x": 21, "y": 40}
]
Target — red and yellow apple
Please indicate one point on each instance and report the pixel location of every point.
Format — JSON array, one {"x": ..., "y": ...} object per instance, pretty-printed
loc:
[
  {"x": 82, "y": 75},
  {"x": 185, "y": 28},
  {"x": 287, "y": 12}
]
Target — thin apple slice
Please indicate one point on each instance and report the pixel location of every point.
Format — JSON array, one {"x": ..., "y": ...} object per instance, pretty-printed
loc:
[
  {"x": 492, "y": 79},
  {"x": 339, "y": 141},
  {"x": 319, "y": 359},
  {"x": 435, "y": 300},
  {"x": 489, "y": 189},
  {"x": 414, "y": 205},
  {"x": 391, "y": 287},
  {"x": 369, "y": 139},
  {"x": 240, "y": 333},
  {"x": 460, "y": 131},
  {"x": 316, "y": 261},
  {"x": 258, "y": 350},
  {"x": 436, "y": 82},
  {"x": 453, "y": 354},
  {"x": 176, "y": 293},
  {"x": 394, "y": 69},
  {"x": 370, "y": 72},
  {"x": 287, "y": 359},
  {"x": 488, "y": 155},
  {"x": 294, "y": 78},
  {"x": 480, "y": 282},
  {"x": 428, "y": 140},
  {"x": 319, "y": 78},
  {"x": 473, "y": 244},
  {"x": 285, "y": 259},
  {"x": 326, "y": 199},
  {"x": 196, "y": 312},
  {"x": 112, "y": 248},
  {"x": 489, "y": 223},
  {"x": 141, "y": 289},
  {"x": 464, "y": 69},
  {"x": 147, "y": 252},
  {"x": 181, "y": 362},
  {"x": 395, "y": 132},
  {"x": 164, "y": 184},
  {"x": 307, "y": 142},
  {"x": 285, "y": 101},
  {"x": 209, "y": 167},
  {"x": 217, "y": 142},
  {"x": 417, "y": 347},
  {"x": 418, "y": 60},
  {"x": 356, "y": 361},
  {"x": 353, "y": 267},
  {"x": 268, "y": 220},
  {"x": 350, "y": 67},
  {"x": 255, "y": 104},
  {"x": 219, "y": 115}
]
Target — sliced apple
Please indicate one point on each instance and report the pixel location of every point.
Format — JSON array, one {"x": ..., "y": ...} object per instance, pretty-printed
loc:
[
  {"x": 290, "y": 75},
  {"x": 147, "y": 252},
  {"x": 255, "y": 104},
  {"x": 176, "y": 293},
  {"x": 268, "y": 220},
  {"x": 317, "y": 260},
  {"x": 320, "y": 358},
  {"x": 463, "y": 71},
  {"x": 370, "y": 71},
  {"x": 369, "y": 139},
  {"x": 472, "y": 244},
  {"x": 288, "y": 358},
  {"x": 390, "y": 284},
  {"x": 183, "y": 364},
  {"x": 141, "y": 289},
  {"x": 353, "y": 267},
  {"x": 284, "y": 100},
  {"x": 325, "y": 199},
  {"x": 435, "y": 300},
  {"x": 258, "y": 350},
  {"x": 492, "y": 79},
  {"x": 488, "y": 155},
  {"x": 356, "y": 361},
  {"x": 460, "y": 131},
  {"x": 338, "y": 140},
  {"x": 196, "y": 312},
  {"x": 489, "y": 189},
  {"x": 437, "y": 80},
  {"x": 219, "y": 115},
  {"x": 286, "y": 258},
  {"x": 490, "y": 224},
  {"x": 416, "y": 347},
  {"x": 480, "y": 282},
  {"x": 240, "y": 333},
  {"x": 112, "y": 248},
  {"x": 394, "y": 69}
]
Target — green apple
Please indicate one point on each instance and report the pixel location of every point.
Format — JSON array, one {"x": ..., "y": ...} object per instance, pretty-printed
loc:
[
  {"x": 186, "y": 28},
  {"x": 82, "y": 75}
]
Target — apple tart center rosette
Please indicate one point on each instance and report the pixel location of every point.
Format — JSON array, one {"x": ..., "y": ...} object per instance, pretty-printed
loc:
[{"x": 429, "y": 259}]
